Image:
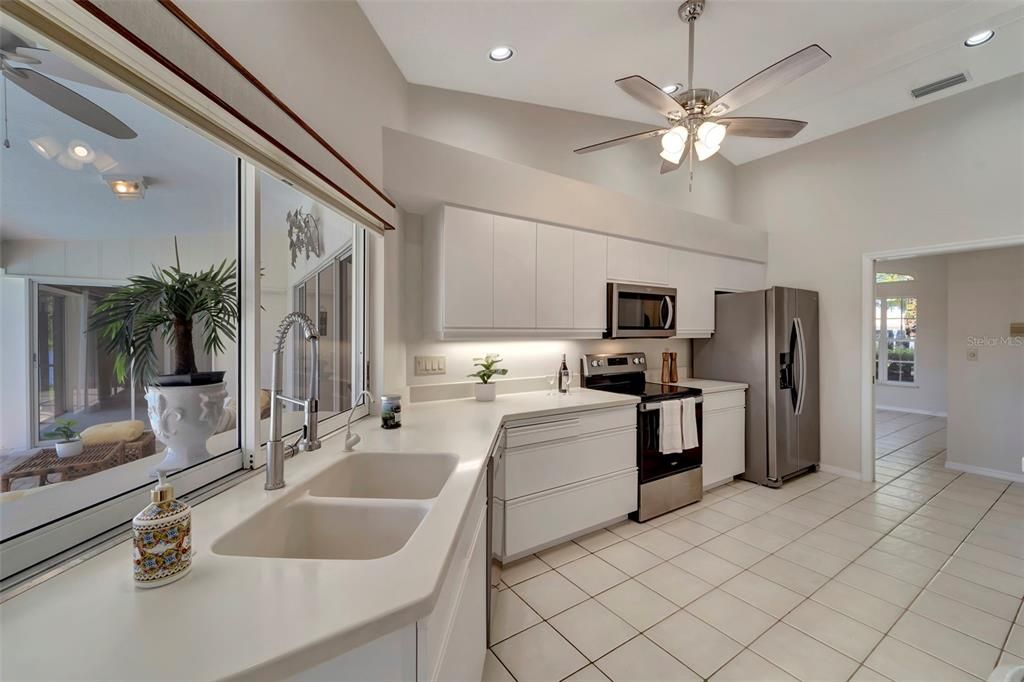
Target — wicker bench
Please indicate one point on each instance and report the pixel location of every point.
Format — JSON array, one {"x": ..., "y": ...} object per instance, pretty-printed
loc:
[{"x": 94, "y": 458}]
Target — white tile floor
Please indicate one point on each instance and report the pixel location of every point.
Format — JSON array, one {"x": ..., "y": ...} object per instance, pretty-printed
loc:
[{"x": 919, "y": 576}]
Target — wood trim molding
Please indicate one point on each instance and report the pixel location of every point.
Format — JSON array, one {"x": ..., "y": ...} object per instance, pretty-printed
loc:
[
  {"x": 185, "y": 19},
  {"x": 152, "y": 52}
]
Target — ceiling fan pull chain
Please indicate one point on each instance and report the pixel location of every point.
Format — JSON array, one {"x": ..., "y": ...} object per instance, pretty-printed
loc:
[{"x": 7, "y": 141}]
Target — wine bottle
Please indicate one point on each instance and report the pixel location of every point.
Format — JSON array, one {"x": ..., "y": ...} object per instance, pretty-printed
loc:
[{"x": 563, "y": 376}]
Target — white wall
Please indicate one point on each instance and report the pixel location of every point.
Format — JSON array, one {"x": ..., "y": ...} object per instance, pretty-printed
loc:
[
  {"x": 945, "y": 172},
  {"x": 928, "y": 393},
  {"x": 986, "y": 405},
  {"x": 544, "y": 137}
]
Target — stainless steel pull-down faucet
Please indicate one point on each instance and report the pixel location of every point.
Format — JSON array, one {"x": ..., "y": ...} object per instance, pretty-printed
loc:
[{"x": 276, "y": 449}]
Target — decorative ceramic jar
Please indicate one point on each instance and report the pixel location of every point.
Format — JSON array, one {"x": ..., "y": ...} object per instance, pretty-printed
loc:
[
  {"x": 183, "y": 418},
  {"x": 162, "y": 550}
]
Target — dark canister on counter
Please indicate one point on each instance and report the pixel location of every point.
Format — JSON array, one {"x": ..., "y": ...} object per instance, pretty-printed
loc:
[{"x": 391, "y": 411}]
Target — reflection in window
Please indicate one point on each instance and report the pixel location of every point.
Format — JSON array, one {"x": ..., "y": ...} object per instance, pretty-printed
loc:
[
  {"x": 86, "y": 206},
  {"x": 311, "y": 257},
  {"x": 885, "y": 277}
]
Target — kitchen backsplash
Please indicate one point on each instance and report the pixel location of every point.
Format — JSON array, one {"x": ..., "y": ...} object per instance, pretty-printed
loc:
[{"x": 530, "y": 363}]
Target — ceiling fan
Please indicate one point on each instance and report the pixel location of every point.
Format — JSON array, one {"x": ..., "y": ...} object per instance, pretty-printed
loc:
[
  {"x": 695, "y": 115},
  {"x": 15, "y": 50}
]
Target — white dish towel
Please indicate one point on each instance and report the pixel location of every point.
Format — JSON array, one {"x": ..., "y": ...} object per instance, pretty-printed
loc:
[
  {"x": 670, "y": 433},
  {"x": 690, "y": 438}
]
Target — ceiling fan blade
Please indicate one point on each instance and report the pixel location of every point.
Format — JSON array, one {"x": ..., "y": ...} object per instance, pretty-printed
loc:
[
  {"x": 69, "y": 102},
  {"x": 668, "y": 166},
  {"x": 646, "y": 92},
  {"x": 775, "y": 76},
  {"x": 620, "y": 140},
  {"x": 762, "y": 127}
]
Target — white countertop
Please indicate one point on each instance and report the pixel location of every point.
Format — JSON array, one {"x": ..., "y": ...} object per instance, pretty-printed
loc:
[
  {"x": 265, "y": 618},
  {"x": 711, "y": 385}
]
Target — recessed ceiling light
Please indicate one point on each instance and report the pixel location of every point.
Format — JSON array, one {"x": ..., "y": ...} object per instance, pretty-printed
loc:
[
  {"x": 501, "y": 53},
  {"x": 126, "y": 188},
  {"x": 671, "y": 89},
  {"x": 980, "y": 38}
]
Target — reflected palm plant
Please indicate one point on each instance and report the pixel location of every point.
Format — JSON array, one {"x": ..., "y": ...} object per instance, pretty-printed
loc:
[{"x": 167, "y": 303}]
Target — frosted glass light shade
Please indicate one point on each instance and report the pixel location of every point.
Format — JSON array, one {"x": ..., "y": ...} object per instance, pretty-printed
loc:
[
  {"x": 711, "y": 133},
  {"x": 674, "y": 141},
  {"x": 704, "y": 150}
]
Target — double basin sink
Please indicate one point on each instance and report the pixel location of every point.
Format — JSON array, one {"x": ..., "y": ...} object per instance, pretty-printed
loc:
[{"x": 366, "y": 506}]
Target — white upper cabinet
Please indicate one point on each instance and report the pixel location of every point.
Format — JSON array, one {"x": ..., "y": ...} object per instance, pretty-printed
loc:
[
  {"x": 467, "y": 268},
  {"x": 589, "y": 281},
  {"x": 690, "y": 274},
  {"x": 739, "y": 275},
  {"x": 554, "y": 290},
  {"x": 515, "y": 273},
  {"x": 630, "y": 261}
]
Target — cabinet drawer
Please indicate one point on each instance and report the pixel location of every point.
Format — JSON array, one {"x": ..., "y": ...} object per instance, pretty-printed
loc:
[
  {"x": 535, "y": 468},
  {"x": 538, "y": 520},
  {"x": 724, "y": 400},
  {"x": 556, "y": 427}
]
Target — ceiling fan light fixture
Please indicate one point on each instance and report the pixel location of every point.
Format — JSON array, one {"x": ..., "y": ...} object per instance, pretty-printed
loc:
[
  {"x": 672, "y": 157},
  {"x": 673, "y": 142},
  {"x": 704, "y": 150},
  {"x": 46, "y": 147},
  {"x": 501, "y": 53},
  {"x": 980, "y": 38},
  {"x": 711, "y": 134},
  {"x": 81, "y": 151}
]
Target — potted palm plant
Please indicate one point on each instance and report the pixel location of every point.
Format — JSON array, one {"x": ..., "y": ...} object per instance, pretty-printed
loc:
[
  {"x": 186, "y": 406},
  {"x": 68, "y": 443},
  {"x": 485, "y": 390}
]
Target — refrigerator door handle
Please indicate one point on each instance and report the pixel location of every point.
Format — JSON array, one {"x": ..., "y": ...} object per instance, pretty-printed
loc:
[{"x": 801, "y": 342}]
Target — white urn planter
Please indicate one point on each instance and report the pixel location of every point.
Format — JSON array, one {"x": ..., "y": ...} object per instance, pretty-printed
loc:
[
  {"x": 183, "y": 418},
  {"x": 485, "y": 392},
  {"x": 68, "y": 448}
]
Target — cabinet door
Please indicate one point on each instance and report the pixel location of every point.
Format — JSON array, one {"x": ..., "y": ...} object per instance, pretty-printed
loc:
[
  {"x": 623, "y": 259},
  {"x": 468, "y": 269},
  {"x": 515, "y": 273},
  {"x": 690, "y": 274},
  {"x": 589, "y": 281},
  {"x": 653, "y": 263},
  {"x": 738, "y": 275},
  {"x": 724, "y": 445},
  {"x": 554, "y": 277}
]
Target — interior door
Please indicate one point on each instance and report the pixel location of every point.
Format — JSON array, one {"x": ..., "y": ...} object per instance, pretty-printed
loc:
[{"x": 808, "y": 421}]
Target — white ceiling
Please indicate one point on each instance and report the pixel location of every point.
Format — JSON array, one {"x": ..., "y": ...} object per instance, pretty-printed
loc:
[{"x": 569, "y": 53}]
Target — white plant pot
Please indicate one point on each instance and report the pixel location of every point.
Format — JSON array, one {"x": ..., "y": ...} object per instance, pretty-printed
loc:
[
  {"x": 69, "y": 448},
  {"x": 183, "y": 418},
  {"x": 485, "y": 392}
]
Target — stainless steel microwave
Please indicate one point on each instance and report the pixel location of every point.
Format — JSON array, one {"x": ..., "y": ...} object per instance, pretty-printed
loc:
[{"x": 638, "y": 311}]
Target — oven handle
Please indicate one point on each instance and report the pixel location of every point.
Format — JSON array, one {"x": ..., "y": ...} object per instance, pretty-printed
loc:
[{"x": 650, "y": 407}]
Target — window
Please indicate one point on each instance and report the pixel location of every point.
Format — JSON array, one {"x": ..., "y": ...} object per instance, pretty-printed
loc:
[
  {"x": 896, "y": 339},
  {"x": 885, "y": 277},
  {"x": 68, "y": 240}
]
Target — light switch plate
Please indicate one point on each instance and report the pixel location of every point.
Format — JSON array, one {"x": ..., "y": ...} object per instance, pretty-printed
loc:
[{"x": 430, "y": 365}]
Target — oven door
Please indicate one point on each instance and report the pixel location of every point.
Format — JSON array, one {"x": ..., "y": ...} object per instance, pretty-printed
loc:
[
  {"x": 654, "y": 465},
  {"x": 637, "y": 311}
]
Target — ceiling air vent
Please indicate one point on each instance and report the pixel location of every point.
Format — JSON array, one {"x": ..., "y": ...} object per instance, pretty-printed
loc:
[{"x": 941, "y": 84}]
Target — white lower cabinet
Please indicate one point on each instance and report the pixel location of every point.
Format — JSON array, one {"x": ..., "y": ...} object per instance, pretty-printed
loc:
[
  {"x": 559, "y": 477},
  {"x": 724, "y": 447}
]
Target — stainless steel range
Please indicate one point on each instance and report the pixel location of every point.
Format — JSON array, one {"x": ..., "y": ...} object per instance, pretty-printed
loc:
[{"x": 667, "y": 481}]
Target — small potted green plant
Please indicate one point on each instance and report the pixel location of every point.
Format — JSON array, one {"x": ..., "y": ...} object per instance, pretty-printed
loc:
[
  {"x": 485, "y": 390},
  {"x": 68, "y": 443}
]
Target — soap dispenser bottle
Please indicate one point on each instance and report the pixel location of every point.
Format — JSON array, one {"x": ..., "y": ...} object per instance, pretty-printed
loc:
[{"x": 162, "y": 550}]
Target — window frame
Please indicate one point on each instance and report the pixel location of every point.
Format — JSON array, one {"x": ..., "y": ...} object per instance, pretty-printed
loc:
[{"x": 882, "y": 349}]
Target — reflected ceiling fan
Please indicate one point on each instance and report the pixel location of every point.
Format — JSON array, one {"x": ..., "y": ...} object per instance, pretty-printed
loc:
[
  {"x": 697, "y": 121},
  {"x": 15, "y": 50}
]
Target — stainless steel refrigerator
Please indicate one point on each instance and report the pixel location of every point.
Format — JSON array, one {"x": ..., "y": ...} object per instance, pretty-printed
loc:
[{"x": 769, "y": 340}]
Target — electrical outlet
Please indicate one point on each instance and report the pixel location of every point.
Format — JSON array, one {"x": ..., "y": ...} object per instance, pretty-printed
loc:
[
  {"x": 430, "y": 365},
  {"x": 972, "y": 355}
]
